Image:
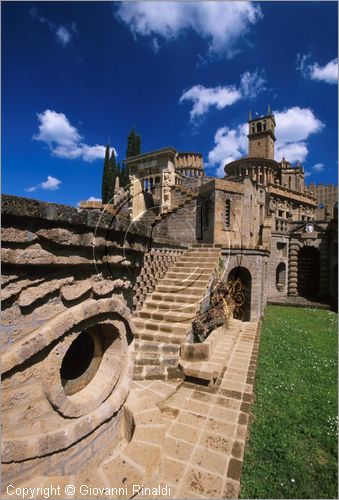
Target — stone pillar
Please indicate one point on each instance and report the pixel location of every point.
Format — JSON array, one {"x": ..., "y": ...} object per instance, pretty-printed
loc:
[
  {"x": 137, "y": 197},
  {"x": 293, "y": 270}
]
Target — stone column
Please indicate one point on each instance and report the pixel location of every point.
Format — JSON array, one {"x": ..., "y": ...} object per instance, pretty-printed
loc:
[{"x": 293, "y": 270}]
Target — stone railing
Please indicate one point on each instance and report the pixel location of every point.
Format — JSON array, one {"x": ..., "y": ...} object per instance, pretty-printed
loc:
[
  {"x": 281, "y": 225},
  {"x": 156, "y": 264}
]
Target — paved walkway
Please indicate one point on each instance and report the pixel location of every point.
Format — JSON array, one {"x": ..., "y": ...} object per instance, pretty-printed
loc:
[{"x": 206, "y": 427}]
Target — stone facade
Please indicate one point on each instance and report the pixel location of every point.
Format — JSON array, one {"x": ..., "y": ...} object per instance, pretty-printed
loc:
[
  {"x": 83, "y": 289},
  {"x": 254, "y": 208}
]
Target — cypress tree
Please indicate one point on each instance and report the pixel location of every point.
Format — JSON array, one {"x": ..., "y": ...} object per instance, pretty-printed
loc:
[
  {"x": 108, "y": 176},
  {"x": 133, "y": 144},
  {"x": 133, "y": 149}
]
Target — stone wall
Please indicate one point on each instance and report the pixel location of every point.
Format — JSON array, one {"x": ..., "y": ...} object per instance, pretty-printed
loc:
[
  {"x": 67, "y": 333},
  {"x": 180, "y": 226},
  {"x": 255, "y": 262}
]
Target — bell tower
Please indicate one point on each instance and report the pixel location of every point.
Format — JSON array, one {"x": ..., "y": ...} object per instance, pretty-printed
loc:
[{"x": 261, "y": 136}]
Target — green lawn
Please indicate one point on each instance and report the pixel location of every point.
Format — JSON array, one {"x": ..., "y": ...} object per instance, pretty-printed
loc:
[{"x": 292, "y": 448}]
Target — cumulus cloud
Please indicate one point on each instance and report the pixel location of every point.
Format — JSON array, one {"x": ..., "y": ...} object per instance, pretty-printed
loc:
[
  {"x": 294, "y": 126},
  {"x": 63, "y": 139},
  {"x": 204, "y": 98},
  {"x": 313, "y": 70},
  {"x": 50, "y": 184},
  {"x": 221, "y": 24},
  {"x": 63, "y": 34},
  {"x": 318, "y": 167}
]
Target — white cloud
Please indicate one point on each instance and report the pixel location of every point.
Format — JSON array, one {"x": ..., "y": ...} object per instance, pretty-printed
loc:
[
  {"x": 293, "y": 128},
  {"x": 63, "y": 34},
  {"x": 51, "y": 184},
  {"x": 222, "y": 24},
  {"x": 296, "y": 124},
  {"x": 318, "y": 167},
  {"x": 313, "y": 71},
  {"x": 230, "y": 144},
  {"x": 63, "y": 138},
  {"x": 252, "y": 83},
  {"x": 291, "y": 151},
  {"x": 306, "y": 173},
  {"x": 203, "y": 98},
  {"x": 327, "y": 73}
]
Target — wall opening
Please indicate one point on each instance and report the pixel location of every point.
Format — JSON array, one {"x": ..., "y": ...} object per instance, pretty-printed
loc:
[
  {"x": 308, "y": 272},
  {"x": 81, "y": 361},
  {"x": 280, "y": 277},
  {"x": 242, "y": 279}
]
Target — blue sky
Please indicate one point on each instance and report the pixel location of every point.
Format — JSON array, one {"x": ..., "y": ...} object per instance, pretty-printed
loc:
[{"x": 76, "y": 74}]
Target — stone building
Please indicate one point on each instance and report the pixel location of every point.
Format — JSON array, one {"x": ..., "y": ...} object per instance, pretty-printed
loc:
[
  {"x": 97, "y": 299},
  {"x": 261, "y": 214}
]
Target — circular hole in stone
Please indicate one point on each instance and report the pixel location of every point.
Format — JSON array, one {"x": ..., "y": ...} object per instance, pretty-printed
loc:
[{"x": 81, "y": 361}]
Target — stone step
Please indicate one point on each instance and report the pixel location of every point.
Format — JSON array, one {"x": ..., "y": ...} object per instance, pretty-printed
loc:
[
  {"x": 165, "y": 315},
  {"x": 164, "y": 349},
  {"x": 191, "y": 262},
  {"x": 197, "y": 258},
  {"x": 177, "y": 298},
  {"x": 153, "y": 326},
  {"x": 193, "y": 265},
  {"x": 196, "y": 274},
  {"x": 158, "y": 336},
  {"x": 172, "y": 306},
  {"x": 175, "y": 287}
]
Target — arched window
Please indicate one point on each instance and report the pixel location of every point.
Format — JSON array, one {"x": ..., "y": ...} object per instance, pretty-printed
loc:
[{"x": 280, "y": 276}]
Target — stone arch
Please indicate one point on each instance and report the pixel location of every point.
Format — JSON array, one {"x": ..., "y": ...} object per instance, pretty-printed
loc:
[
  {"x": 280, "y": 277},
  {"x": 308, "y": 272},
  {"x": 242, "y": 275}
]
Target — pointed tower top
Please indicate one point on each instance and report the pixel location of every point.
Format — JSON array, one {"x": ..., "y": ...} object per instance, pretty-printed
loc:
[
  {"x": 269, "y": 111},
  {"x": 249, "y": 115}
]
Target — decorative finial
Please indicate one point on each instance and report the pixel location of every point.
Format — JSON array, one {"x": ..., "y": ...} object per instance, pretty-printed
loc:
[
  {"x": 249, "y": 115},
  {"x": 269, "y": 111}
]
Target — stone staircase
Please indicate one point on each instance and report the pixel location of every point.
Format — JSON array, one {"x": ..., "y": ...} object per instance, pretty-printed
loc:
[{"x": 165, "y": 319}]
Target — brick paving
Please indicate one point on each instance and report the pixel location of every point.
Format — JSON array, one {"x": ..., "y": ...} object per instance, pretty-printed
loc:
[{"x": 207, "y": 427}]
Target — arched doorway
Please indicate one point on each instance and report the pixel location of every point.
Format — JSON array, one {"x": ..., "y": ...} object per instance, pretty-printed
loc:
[
  {"x": 241, "y": 281},
  {"x": 308, "y": 272}
]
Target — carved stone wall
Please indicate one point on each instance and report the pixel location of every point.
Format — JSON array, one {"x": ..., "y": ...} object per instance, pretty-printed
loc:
[{"x": 67, "y": 334}]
